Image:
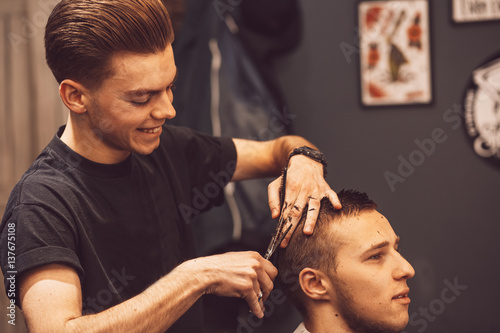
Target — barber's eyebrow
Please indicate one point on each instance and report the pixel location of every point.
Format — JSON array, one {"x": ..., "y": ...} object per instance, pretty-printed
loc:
[
  {"x": 143, "y": 91},
  {"x": 381, "y": 245}
]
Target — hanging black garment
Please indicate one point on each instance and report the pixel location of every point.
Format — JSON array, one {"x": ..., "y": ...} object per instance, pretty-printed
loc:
[{"x": 224, "y": 89}]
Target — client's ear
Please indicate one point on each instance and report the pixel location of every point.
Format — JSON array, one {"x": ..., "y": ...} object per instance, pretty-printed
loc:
[
  {"x": 74, "y": 95},
  {"x": 315, "y": 284}
]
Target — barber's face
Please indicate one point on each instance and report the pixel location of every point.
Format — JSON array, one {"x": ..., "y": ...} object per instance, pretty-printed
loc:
[
  {"x": 130, "y": 107},
  {"x": 369, "y": 285}
]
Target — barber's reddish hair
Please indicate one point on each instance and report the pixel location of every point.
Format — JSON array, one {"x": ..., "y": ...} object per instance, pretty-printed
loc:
[{"x": 81, "y": 36}]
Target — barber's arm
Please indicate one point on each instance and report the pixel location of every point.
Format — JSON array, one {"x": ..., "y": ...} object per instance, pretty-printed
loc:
[
  {"x": 305, "y": 184},
  {"x": 51, "y": 296}
]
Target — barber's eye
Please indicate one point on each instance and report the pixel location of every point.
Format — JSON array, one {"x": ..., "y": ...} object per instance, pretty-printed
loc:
[{"x": 141, "y": 103}]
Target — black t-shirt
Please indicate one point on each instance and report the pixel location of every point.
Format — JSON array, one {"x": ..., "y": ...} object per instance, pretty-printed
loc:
[{"x": 121, "y": 226}]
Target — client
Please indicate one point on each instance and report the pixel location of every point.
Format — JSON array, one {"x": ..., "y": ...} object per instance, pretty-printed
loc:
[{"x": 348, "y": 276}]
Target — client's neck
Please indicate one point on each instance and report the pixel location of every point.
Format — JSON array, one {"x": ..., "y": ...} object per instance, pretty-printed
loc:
[{"x": 324, "y": 319}]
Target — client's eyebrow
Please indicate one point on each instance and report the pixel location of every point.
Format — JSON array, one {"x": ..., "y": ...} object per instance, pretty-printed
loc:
[
  {"x": 381, "y": 245},
  {"x": 376, "y": 247}
]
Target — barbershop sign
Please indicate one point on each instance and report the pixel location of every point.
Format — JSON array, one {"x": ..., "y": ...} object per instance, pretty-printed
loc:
[
  {"x": 482, "y": 111},
  {"x": 476, "y": 10}
]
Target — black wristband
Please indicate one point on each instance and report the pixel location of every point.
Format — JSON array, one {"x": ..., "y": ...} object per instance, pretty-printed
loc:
[{"x": 312, "y": 154}]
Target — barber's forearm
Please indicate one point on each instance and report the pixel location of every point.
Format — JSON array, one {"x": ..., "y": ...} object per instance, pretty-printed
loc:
[
  {"x": 257, "y": 159},
  {"x": 154, "y": 310},
  {"x": 285, "y": 145}
]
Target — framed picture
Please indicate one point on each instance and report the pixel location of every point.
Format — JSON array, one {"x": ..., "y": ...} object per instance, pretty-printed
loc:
[
  {"x": 476, "y": 10},
  {"x": 394, "y": 52}
]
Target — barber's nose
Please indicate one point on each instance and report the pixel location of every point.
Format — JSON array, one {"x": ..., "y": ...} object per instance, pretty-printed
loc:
[{"x": 164, "y": 108}]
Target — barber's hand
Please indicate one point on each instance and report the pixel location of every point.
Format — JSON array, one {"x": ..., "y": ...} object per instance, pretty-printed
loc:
[
  {"x": 240, "y": 274},
  {"x": 305, "y": 185}
]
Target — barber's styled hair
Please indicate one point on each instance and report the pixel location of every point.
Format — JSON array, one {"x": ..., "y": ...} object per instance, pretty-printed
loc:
[
  {"x": 81, "y": 36},
  {"x": 317, "y": 251}
]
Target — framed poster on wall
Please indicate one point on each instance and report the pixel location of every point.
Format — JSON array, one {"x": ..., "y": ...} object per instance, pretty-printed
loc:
[
  {"x": 476, "y": 10},
  {"x": 394, "y": 52}
]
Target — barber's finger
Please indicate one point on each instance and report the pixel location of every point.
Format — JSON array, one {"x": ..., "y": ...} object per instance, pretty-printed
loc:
[
  {"x": 266, "y": 274},
  {"x": 292, "y": 225},
  {"x": 334, "y": 199},
  {"x": 290, "y": 205},
  {"x": 312, "y": 215},
  {"x": 270, "y": 269},
  {"x": 254, "y": 296},
  {"x": 266, "y": 286},
  {"x": 252, "y": 300},
  {"x": 288, "y": 236},
  {"x": 273, "y": 193},
  {"x": 293, "y": 218},
  {"x": 256, "y": 288}
]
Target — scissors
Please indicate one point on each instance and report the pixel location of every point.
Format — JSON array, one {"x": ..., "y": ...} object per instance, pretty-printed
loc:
[{"x": 278, "y": 234}]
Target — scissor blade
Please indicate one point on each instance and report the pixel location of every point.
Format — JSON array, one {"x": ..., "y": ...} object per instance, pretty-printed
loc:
[
  {"x": 278, "y": 243},
  {"x": 270, "y": 248},
  {"x": 281, "y": 221}
]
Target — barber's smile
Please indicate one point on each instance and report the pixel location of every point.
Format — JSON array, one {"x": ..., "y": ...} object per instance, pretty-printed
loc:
[{"x": 151, "y": 130}]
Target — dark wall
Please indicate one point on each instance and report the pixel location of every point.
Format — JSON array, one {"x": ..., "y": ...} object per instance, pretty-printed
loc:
[{"x": 447, "y": 211}]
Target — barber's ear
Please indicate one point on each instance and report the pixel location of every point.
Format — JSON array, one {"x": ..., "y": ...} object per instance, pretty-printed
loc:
[
  {"x": 74, "y": 95},
  {"x": 315, "y": 284}
]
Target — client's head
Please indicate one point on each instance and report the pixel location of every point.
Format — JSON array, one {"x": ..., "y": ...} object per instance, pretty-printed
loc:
[{"x": 348, "y": 276}]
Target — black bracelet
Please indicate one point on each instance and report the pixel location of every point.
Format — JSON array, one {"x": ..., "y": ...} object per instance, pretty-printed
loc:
[{"x": 312, "y": 154}]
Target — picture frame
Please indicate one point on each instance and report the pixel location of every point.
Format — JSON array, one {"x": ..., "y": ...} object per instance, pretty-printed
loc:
[
  {"x": 475, "y": 10},
  {"x": 394, "y": 43}
]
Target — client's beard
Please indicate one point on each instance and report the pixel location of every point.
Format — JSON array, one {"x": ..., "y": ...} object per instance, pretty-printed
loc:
[{"x": 354, "y": 319}]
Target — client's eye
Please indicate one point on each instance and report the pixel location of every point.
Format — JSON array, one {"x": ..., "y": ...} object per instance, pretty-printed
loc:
[{"x": 376, "y": 256}]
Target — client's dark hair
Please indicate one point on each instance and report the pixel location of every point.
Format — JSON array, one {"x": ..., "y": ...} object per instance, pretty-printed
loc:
[{"x": 318, "y": 250}]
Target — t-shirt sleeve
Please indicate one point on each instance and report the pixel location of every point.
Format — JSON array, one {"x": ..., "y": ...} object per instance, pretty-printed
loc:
[
  {"x": 210, "y": 162},
  {"x": 38, "y": 236}
]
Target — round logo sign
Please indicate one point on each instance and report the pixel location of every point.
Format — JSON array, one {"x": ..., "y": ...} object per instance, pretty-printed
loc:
[{"x": 482, "y": 111}]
